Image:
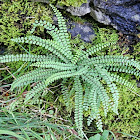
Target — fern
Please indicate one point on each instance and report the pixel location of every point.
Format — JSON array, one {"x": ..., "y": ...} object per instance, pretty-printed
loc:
[
  {"x": 78, "y": 104},
  {"x": 22, "y": 57},
  {"x": 55, "y": 65},
  {"x": 90, "y": 74},
  {"x": 86, "y": 102},
  {"x": 35, "y": 91}
]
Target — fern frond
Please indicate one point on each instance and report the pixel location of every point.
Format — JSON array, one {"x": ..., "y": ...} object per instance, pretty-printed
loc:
[
  {"x": 108, "y": 79},
  {"x": 120, "y": 68},
  {"x": 122, "y": 81},
  {"x": 61, "y": 47},
  {"x": 97, "y": 48},
  {"x": 86, "y": 102},
  {"x": 93, "y": 105},
  {"x": 35, "y": 91},
  {"x": 59, "y": 38},
  {"x": 68, "y": 92},
  {"x": 101, "y": 91},
  {"x": 22, "y": 57},
  {"x": 33, "y": 40},
  {"x": 47, "y": 44},
  {"x": 36, "y": 98},
  {"x": 78, "y": 55},
  {"x": 33, "y": 76},
  {"x": 63, "y": 34},
  {"x": 65, "y": 74},
  {"x": 65, "y": 92},
  {"x": 55, "y": 65},
  {"x": 99, "y": 123},
  {"x": 51, "y": 29},
  {"x": 78, "y": 113},
  {"x": 61, "y": 21},
  {"x": 110, "y": 59}
]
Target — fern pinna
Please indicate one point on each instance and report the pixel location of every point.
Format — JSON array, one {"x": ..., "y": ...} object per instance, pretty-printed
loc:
[{"x": 87, "y": 73}]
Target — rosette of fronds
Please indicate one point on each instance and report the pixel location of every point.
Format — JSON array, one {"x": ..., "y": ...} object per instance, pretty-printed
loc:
[{"x": 90, "y": 75}]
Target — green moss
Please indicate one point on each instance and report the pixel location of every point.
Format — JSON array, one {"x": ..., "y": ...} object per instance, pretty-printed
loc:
[
  {"x": 137, "y": 51},
  {"x": 106, "y": 35},
  {"x": 129, "y": 113},
  {"x": 74, "y": 3},
  {"x": 16, "y": 19}
]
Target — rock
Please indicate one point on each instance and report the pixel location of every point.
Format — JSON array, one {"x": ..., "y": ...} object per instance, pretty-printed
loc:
[
  {"x": 138, "y": 84},
  {"x": 2, "y": 48},
  {"x": 79, "y": 11},
  {"x": 124, "y": 15},
  {"x": 100, "y": 17},
  {"x": 85, "y": 31}
]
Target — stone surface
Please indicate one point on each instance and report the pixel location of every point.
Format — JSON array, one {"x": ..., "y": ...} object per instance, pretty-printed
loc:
[
  {"x": 124, "y": 15},
  {"x": 84, "y": 30},
  {"x": 138, "y": 84},
  {"x": 79, "y": 11}
]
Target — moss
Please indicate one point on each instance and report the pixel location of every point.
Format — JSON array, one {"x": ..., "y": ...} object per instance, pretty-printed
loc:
[
  {"x": 136, "y": 52},
  {"x": 106, "y": 35},
  {"x": 16, "y": 18},
  {"x": 129, "y": 113},
  {"x": 74, "y": 3}
]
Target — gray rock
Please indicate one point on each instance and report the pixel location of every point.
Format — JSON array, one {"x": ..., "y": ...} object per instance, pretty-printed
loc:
[
  {"x": 124, "y": 15},
  {"x": 138, "y": 84},
  {"x": 100, "y": 17},
  {"x": 79, "y": 11},
  {"x": 85, "y": 31}
]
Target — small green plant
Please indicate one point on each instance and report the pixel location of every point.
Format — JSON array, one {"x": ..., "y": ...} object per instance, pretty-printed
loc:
[
  {"x": 91, "y": 78},
  {"x": 29, "y": 126},
  {"x": 104, "y": 136}
]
